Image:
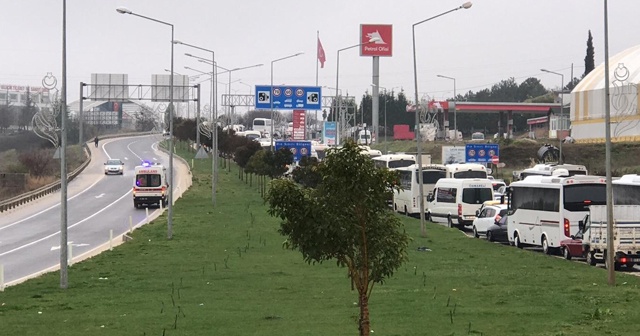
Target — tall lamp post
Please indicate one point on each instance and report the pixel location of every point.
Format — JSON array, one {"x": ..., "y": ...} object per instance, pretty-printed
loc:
[
  {"x": 342, "y": 124},
  {"x": 455, "y": 109},
  {"x": 271, "y": 88},
  {"x": 123, "y": 10},
  {"x": 607, "y": 121},
  {"x": 466, "y": 5},
  {"x": 214, "y": 125},
  {"x": 561, "y": 122},
  {"x": 64, "y": 280}
]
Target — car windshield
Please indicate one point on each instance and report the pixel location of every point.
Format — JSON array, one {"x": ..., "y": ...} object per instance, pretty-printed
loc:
[{"x": 113, "y": 162}]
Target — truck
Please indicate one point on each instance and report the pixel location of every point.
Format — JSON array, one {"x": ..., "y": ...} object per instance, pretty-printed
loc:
[
  {"x": 150, "y": 185},
  {"x": 626, "y": 233}
]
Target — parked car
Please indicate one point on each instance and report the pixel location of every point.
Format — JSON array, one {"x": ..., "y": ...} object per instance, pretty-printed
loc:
[
  {"x": 498, "y": 231},
  {"x": 488, "y": 221},
  {"x": 499, "y": 188},
  {"x": 114, "y": 166},
  {"x": 572, "y": 247}
]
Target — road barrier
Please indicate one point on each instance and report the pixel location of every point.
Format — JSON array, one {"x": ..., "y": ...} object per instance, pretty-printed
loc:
[{"x": 55, "y": 186}]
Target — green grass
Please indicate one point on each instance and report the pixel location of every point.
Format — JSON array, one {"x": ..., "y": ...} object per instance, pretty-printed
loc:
[{"x": 225, "y": 273}]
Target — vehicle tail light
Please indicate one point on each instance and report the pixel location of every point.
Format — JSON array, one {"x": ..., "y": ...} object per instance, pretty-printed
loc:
[
  {"x": 623, "y": 260},
  {"x": 164, "y": 189},
  {"x": 567, "y": 228},
  {"x": 414, "y": 202},
  {"x": 459, "y": 210}
]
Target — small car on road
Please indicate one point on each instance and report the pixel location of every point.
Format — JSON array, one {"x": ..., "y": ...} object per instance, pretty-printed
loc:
[
  {"x": 114, "y": 166},
  {"x": 488, "y": 221}
]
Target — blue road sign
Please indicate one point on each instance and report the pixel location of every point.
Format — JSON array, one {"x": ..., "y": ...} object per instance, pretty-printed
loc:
[
  {"x": 481, "y": 153},
  {"x": 298, "y": 148},
  {"x": 288, "y": 97}
]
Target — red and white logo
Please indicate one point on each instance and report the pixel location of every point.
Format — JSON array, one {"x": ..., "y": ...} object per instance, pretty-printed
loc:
[{"x": 376, "y": 39}]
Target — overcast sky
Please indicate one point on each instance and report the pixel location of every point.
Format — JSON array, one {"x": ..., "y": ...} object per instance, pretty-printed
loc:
[{"x": 491, "y": 41}]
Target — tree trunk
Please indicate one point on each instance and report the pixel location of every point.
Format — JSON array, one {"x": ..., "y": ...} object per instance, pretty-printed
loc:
[{"x": 365, "y": 324}]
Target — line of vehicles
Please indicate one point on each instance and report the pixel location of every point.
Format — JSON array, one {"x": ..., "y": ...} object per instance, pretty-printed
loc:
[{"x": 558, "y": 208}]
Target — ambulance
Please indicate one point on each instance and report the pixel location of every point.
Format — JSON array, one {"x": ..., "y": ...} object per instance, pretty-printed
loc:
[{"x": 150, "y": 185}]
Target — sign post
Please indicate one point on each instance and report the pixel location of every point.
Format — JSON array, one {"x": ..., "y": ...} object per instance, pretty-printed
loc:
[
  {"x": 298, "y": 148},
  {"x": 481, "y": 153}
]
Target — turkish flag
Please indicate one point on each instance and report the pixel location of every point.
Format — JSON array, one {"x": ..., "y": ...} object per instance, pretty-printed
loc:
[{"x": 321, "y": 56}]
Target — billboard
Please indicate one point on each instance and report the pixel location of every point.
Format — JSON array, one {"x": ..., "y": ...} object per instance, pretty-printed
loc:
[
  {"x": 109, "y": 87},
  {"x": 453, "y": 154},
  {"x": 162, "y": 83},
  {"x": 329, "y": 132},
  {"x": 384, "y": 44}
]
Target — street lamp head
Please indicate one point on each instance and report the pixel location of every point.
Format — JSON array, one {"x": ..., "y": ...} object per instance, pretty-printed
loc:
[
  {"x": 545, "y": 70},
  {"x": 123, "y": 10},
  {"x": 177, "y": 42},
  {"x": 188, "y": 54},
  {"x": 467, "y": 5}
]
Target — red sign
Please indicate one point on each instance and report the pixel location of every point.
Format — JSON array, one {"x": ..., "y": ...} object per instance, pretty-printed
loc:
[
  {"x": 298, "y": 125},
  {"x": 382, "y": 37},
  {"x": 495, "y": 160}
]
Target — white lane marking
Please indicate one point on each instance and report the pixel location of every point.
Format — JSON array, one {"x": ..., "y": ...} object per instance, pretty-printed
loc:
[
  {"x": 129, "y": 148},
  {"x": 54, "y": 248},
  {"x": 100, "y": 196},
  {"x": 126, "y": 158},
  {"x": 154, "y": 159},
  {"x": 69, "y": 227},
  {"x": 70, "y": 198},
  {"x": 51, "y": 207}
]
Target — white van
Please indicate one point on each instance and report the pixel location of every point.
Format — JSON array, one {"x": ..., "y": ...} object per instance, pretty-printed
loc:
[
  {"x": 455, "y": 201},
  {"x": 150, "y": 185}
]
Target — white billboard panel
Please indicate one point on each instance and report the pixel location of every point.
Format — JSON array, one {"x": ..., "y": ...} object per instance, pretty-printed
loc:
[
  {"x": 161, "y": 84},
  {"x": 453, "y": 154},
  {"x": 109, "y": 87}
]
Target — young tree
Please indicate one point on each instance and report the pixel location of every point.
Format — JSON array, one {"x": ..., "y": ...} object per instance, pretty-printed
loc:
[
  {"x": 27, "y": 112},
  {"x": 346, "y": 219},
  {"x": 6, "y": 117},
  {"x": 589, "y": 60}
]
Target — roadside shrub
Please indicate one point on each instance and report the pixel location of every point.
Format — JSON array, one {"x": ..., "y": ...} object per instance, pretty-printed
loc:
[{"x": 39, "y": 162}]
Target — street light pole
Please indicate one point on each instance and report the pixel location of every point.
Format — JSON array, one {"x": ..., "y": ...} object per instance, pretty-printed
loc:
[
  {"x": 64, "y": 280},
  {"x": 343, "y": 121},
  {"x": 607, "y": 122},
  {"x": 123, "y": 10},
  {"x": 466, "y": 5},
  {"x": 214, "y": 124},
  {"x": 455, "y": 109},
  {"x": 561, "y": 120},
  {"x": 271, "y": 94}
]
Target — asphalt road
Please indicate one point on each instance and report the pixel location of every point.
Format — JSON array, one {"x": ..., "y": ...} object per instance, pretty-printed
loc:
[{"x": 30, "y": 235}]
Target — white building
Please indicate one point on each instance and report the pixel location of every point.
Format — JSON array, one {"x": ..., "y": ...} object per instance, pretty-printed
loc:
[{"x": 588, "y": 101}]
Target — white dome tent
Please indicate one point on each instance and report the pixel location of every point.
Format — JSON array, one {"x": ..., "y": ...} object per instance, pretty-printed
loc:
[{"x": 588, "y": 101}]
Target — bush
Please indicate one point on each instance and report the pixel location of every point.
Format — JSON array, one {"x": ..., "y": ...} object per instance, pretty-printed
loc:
[{"x": 40, "y": 162}]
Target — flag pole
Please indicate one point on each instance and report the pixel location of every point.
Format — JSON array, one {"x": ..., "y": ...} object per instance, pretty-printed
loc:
[{"x": 317, "y": 61}]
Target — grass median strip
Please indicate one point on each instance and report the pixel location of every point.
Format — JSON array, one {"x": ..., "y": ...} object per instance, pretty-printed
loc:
[{"x": 225, "y": 273}]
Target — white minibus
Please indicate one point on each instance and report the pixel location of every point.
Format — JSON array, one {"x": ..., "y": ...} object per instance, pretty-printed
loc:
[
  {"x": 466, "y": 170},
  {"x": 262, "y": 125},
  {"x": 553, "y": 170},
  {"x": 455, "y": 201},
  {"x": 393, "y": 161},
  {"x": 407, "y": 200},
  {"x": 543, "y": 210},
  {"x": 626, "y": 190}
]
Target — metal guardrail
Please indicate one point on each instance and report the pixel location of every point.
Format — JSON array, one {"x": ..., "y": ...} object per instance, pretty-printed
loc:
[{"x": 55, "y": 186}]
